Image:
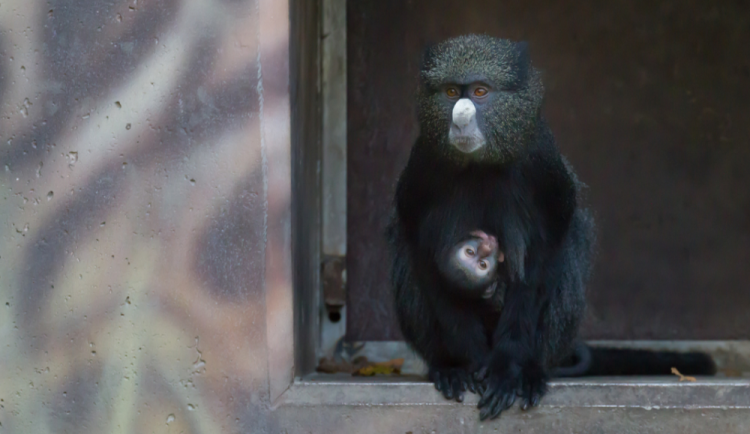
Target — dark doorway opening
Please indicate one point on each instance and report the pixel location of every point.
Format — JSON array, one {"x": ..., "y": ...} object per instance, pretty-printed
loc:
[{"x": 648, "y": 100}]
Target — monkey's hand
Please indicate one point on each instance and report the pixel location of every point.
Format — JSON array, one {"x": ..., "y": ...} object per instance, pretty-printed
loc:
[
  {"x": 500, "y": 381},
  {"x": 453, "y": 382},
  {"x": 488, "y": 244},
  {"x": 503, "y": 379},
  {"x": 533, "y": 384}
]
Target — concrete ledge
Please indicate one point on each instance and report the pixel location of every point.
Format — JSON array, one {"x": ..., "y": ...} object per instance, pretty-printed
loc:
[{"x": 610, "y": 392}]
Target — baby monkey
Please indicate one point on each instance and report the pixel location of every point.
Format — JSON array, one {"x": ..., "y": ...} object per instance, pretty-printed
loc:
[{"x": 473, "y": 264}]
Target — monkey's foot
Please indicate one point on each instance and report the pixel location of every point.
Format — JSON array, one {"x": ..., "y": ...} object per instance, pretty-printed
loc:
[
  {"x": 499, "y": 389},
  {"x": 533, "y": 385},
  {"x": 452, "y": 382}
]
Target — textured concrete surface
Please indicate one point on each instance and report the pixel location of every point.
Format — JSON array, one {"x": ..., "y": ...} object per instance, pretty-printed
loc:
[{"x": 144, "y": 215}]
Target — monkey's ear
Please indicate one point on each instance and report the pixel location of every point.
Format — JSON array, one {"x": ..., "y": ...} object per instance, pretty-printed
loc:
[
  {"x": 522, "y": 50},
  {"x": 428, "y": 56},
  {"x": 522, "y": 54},
  {"x": 523, "y": 61}
]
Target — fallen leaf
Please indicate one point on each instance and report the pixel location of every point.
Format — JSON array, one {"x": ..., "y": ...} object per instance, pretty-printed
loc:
[
  {"x": 682, "y": 377},
  {"x": 382, "y": 368}
]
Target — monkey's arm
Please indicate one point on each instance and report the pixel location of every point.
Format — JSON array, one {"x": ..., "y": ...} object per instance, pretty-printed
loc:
[
  {"x": 461, "y": 348},
  {"x": 534, "y": 235},
  {"x": 554, "y": 192},
  {"x": 515, "y": 361}
]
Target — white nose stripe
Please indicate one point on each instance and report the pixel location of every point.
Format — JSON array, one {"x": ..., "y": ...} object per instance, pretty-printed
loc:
[{"x": 463, "y": 112}]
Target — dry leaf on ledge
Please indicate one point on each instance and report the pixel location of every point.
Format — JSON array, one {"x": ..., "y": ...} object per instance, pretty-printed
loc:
[
  {"x": 682, "y": 377},
  {"x": 383, "y": 368}
]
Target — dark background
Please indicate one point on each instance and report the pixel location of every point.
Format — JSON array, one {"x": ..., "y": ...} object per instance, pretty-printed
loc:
[{"x": 649, "y": 100}]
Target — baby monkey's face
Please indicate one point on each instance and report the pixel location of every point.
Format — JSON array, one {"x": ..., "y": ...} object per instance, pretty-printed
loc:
[{"x": 473, "y": 263}]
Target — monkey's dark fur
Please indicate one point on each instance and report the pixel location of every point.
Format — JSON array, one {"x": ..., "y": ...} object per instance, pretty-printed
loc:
[{"x": 517, "y": 187}]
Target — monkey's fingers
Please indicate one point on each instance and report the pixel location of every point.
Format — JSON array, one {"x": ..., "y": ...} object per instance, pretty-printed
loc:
[
  {"x": 496, "y": 402},
  {"x": 533, "y": 402},
  {"x": 503, "y": 404},
  {"x": 457, "y": 386},
  {"x": 470, "y": 384},
  {"x": 436, "y": 380},
  {"x": 488, "y": 396},
  {"x": 480, "y": 374},
  {"x": 534, "y": 387},
  {"x": 480, "y": 234},
  {"x": 486, "y": 411},
  {"x": 445, "y": 386},
  {"x": 500, "y": 256}
]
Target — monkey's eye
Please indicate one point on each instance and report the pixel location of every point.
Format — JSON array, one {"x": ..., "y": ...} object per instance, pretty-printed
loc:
[
  {"x": 481, "y": 92},
  {"x": 452, "y": 92},
  {"x": 470, "y": 251},
  {"x": 483, "y": 265}
]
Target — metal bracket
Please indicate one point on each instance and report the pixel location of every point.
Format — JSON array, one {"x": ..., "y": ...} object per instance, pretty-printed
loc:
[{"x": 334, "y": 286}]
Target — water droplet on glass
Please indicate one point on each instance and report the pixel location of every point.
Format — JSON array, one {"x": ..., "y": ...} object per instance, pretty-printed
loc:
[
  {"x": 25, "y": 107},
  {"x": 191, "y": 407},
  {"x": 170, "y": 418},
  {"x": 50, "y": 195},
  {"x": 127, "y": 127}
]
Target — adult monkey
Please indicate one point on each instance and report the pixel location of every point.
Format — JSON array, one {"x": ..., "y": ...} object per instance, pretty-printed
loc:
[{"x": 486, "y": 160}]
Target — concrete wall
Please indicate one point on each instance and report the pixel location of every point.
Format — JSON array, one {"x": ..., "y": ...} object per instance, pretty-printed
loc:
[{"x": 144, "y": 215}]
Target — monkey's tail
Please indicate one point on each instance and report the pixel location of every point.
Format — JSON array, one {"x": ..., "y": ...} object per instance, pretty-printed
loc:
[{"x": 588, "y": 361}]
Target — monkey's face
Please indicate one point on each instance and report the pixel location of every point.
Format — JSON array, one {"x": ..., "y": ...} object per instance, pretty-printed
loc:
[
  {"x": 480, "y": 98},
  {"x": 464, "y": 132},
  {"x": 473, "y": 264},
  {"x": 476, "y": 260}
]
